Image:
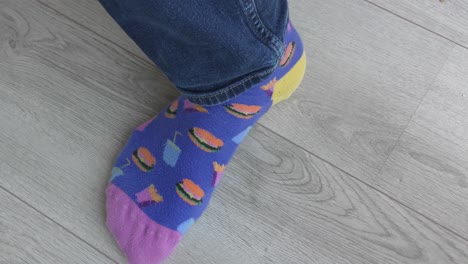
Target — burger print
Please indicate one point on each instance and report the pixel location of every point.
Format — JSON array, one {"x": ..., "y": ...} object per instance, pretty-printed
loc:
[
  {"x": 190, "y": 192},
  {"x": 191, "y": 107},
  {"x": 288, "y": 54},
  {"x": 171, "y": 111},
  {"x": 143, "y": 159},
  {"x": 205, "y": 140},
  {"x": 243, "y": 111}
]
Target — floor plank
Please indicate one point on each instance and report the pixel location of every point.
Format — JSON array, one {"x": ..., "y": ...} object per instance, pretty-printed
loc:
[
  {"x": 31, "y": 30},
  {"x": 91, "y": 16},
  {"x": 355, "y": 117},
  {"x": 367, "y": 72},
  {"x": 26, "y": 237},
  {"x": 70, "y": 99},
  {"x": 428, "y": 170},
  {"x": 279, "y": 204},
  {"x": 58, "y": 166},
  {"x": 445, "y": 17}
]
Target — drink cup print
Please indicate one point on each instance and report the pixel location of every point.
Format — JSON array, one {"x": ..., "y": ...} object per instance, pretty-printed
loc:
[
  {"x": 172, "y": 151},
  {"x": 117, "y": 171},
  {"x": 240, "y": 137}
]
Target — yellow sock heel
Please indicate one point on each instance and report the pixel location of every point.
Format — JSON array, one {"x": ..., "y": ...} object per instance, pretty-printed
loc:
[{"x": 286, "y": 86}]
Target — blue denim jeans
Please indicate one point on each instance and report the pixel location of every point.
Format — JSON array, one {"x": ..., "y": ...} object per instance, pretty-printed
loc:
[{"x": 212, "y": 50}]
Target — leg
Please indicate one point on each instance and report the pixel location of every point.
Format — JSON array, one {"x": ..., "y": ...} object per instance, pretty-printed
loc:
[
  {"x": 211, "y": 50},
  {"x": 165, "y": 176}
]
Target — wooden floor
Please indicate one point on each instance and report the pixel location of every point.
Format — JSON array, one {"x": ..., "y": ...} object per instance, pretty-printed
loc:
[{"x": 366, "y": 163}]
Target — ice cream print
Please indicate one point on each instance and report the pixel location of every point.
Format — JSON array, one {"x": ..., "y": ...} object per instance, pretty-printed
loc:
[
  {"x": 218, "y": 173},
  {"x": 143, "y": 159},
  {"x": 148, "y": 196},
  {"x": 172, "y": 151},
  {"x": 190, "y": 192},
  {"x": 243, "y": 111},
  {"x": 269, "y": 88},
  {"x": 117, "y": 171},
  {"x": 191, "y": 107},
  {"x": 205, "y": 140},
  {"x": 171, "y": 111}
]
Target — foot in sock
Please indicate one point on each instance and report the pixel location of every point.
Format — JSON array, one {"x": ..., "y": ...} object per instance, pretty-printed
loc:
[{"x": 165, "y": 176}]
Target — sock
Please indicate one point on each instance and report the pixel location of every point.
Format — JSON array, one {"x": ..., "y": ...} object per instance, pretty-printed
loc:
[{"x": 166, "y": 174}]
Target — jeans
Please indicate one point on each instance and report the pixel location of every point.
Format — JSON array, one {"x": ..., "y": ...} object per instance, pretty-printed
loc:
[{"x": 212, "y": 50}]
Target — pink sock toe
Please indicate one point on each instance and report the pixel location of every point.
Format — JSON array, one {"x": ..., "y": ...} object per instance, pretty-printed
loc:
[{"x": 141, "y": 239}]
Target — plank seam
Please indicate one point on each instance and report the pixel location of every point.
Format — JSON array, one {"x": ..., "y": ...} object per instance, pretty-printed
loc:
[
  {"x": 369, "y": 186},
  {"x": 108, "y": 41},
  {"x": 56, "y": 223},
  {"x": 379, "y": 173},
  {"x": 416, "y": 24},
  {"x": 146, "y": 61}
]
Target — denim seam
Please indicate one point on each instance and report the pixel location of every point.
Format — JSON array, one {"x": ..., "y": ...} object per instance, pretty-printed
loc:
[
  {"x": 259, "y": 29},
  {"x": 265, "y": 36},
  {"x": 234, "y": 85}
]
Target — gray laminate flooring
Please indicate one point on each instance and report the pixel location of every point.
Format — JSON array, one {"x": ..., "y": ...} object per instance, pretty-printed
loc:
[{"x": 366, "y": 163}]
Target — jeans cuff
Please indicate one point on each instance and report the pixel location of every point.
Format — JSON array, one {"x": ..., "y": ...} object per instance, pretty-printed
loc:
[{"x": 226, "y": 94}]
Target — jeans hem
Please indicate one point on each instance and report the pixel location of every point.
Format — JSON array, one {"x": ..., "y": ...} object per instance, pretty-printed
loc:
[
  {"x": 229, "y": 92},
  {"x": 267, "y": 38}
]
